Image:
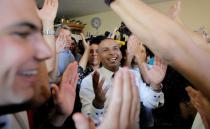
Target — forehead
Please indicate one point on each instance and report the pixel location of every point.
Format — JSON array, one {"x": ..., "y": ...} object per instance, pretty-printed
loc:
[
  {"x": 65, "y": 31},
  {"x": 18, "y": 11},
  {"x": 107, "y": 43},
  {"x": 93, "y": 46}
]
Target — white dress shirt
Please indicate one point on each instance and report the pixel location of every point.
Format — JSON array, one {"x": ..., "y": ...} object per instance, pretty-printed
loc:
[
  {"x": 198, "y": 123},
  {"x": 149, "y": 98}
]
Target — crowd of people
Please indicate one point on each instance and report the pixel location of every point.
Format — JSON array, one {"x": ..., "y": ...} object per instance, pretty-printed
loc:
[{"x": 47, "y": 81}]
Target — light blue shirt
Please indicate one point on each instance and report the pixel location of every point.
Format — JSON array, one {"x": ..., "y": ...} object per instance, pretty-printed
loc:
[{"x": 65, "y": 57}]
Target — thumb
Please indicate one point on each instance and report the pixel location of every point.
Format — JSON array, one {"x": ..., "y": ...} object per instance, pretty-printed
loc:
[
  {"x": 55, "y": 92},
  {"x": 81, "y": 122}
]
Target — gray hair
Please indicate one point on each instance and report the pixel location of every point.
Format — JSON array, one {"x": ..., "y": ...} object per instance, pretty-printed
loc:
[{"x": 62, "y": 26}]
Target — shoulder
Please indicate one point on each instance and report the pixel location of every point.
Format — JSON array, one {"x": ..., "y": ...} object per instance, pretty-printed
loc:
[
  {"x": 134, "y": 71},
  {"x": 86, "y": 81}
]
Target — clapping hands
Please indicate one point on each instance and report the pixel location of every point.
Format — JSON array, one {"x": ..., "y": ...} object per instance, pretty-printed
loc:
[
  {"x": 124, "y": 105},
  {"x": 100, "y": 93}
]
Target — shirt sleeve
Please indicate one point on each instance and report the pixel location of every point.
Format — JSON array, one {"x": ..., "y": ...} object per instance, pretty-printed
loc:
[
  {"x": 64, "y": 58},
  {"x": 148, "y": 97},
  {"x": 86, "y": 96}
]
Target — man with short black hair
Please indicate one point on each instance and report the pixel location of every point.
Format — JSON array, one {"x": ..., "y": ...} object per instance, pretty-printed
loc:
[{"x": 94, "y": 93}]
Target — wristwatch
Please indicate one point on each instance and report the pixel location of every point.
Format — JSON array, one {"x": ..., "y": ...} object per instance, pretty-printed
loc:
[
  {"x": 48, "y": 32},
  {"x": 157, "y": 90}
]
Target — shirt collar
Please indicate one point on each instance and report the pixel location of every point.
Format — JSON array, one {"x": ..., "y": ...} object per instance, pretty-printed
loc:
[
  {"x": 107, "y": 74},
  {"x": 67, "y": 51}
]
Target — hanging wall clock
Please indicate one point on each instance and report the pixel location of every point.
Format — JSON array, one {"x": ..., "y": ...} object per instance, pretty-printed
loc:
[{"x": 96, "y": 22}]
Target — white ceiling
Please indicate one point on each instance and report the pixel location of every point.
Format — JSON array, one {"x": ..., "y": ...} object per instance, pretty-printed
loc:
[{"x": 75, "y": 8}]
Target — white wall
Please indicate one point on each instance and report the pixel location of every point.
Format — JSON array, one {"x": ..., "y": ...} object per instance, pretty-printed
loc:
[
  {"x": 195, "y": 13},
  {"x": 109, "y": 20}
]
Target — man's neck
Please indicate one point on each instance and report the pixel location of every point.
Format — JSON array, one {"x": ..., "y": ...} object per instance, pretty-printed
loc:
[
  {"x": 112, "y": 69},
  {"x": 95, "y": 67}
]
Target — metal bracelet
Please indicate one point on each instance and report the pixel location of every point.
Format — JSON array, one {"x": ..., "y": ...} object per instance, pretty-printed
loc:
[
  {"x": 157, "y": 90},
  {"x": 48, "y": 32}
]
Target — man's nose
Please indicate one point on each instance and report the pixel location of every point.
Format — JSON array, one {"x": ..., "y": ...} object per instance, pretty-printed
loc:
[{"x": 43, "y": 51}]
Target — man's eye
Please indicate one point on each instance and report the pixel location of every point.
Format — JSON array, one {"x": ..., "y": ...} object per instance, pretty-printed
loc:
[
  {"x": 116, "y": 48},
  {"x": 104, "y": 50},
  {"x": 21, "y": 34}
]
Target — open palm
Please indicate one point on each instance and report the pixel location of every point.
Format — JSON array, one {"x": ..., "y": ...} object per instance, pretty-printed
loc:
[
  {"x": 48, "y": 11},
  {"x": 158, "y": 71},
  {"x": 64, "y": 96}
]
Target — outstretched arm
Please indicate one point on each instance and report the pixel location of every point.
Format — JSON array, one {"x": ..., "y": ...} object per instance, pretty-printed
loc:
[
  {"x": 47, "y": 15},
  {"x": 168, "y": 40},
  {"x": 84, "y": 59},
  {"x": 153, "y": 76},
  {"x": 174, "y": 13}
]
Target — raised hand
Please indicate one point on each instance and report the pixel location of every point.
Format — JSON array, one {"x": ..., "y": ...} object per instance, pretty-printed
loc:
[
  {"x": 113, "y": 33},
  {"x": 130, "y": 52},
  {"x": 85, "y": 44},
  {"x": 201, "y": 103},
  {"x": 127, "y": 98},
  {"x": 64, "y": 96},
  {"x": 136, "y": 47},
  {"x": 48, "y": 11},
  {"x": 174, "y": 12},
  {"x": 156, "y": 74},
  {"x": 100, "y": 93},
  {"x": 124, "y": 105},
  {"x": 132, "y": 45},
  {"x": 60, "y": 43}
]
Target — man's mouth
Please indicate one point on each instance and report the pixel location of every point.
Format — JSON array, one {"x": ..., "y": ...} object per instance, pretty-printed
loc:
[
  {"x": 113, "y": 59},
  {"x": 28, "y": 73}
]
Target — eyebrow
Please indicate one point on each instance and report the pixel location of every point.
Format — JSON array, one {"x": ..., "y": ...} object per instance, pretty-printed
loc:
[
  {"x": 27, "y": 24},
  {"x": 108, "y": 47},
  {"x": 17, "y": 25}
]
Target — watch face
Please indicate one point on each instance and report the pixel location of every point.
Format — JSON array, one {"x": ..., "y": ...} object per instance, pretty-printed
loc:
[{"x": 96, "y": 22}]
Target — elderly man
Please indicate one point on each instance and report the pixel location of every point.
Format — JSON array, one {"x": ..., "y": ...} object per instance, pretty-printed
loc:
[
  {"x": 94, "y": 94},
  {"x": 64, "y": 54}
]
